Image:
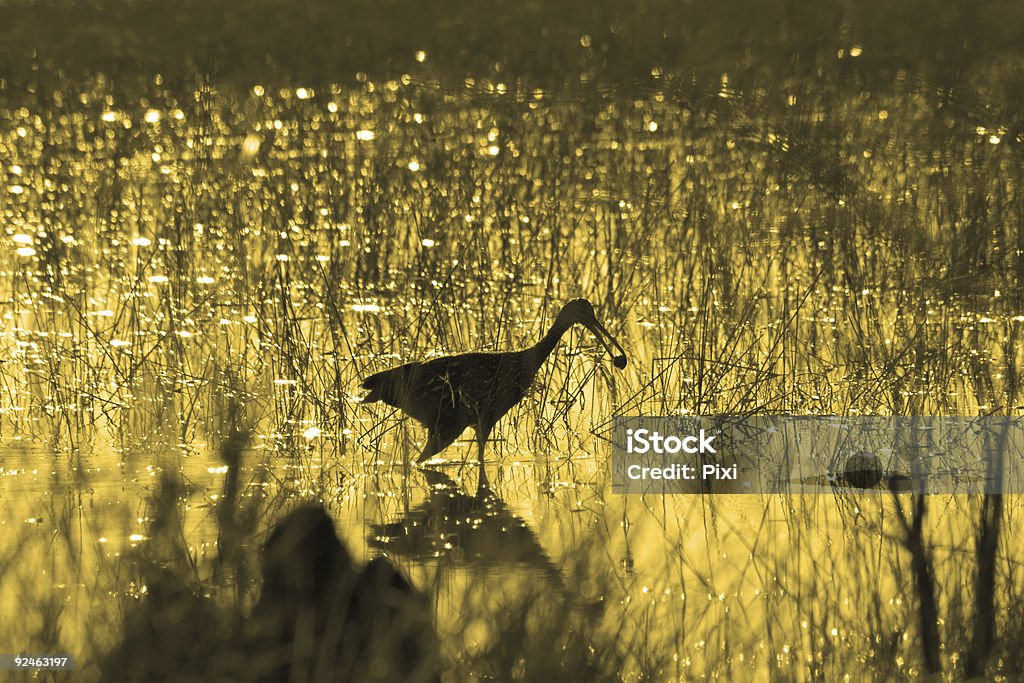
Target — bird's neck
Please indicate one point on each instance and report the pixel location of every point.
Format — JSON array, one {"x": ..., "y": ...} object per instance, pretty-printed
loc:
[{"x": 539, "y": 352}]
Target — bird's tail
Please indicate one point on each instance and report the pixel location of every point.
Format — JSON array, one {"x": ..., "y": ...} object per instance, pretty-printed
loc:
[{"x": 375, "y": 384}]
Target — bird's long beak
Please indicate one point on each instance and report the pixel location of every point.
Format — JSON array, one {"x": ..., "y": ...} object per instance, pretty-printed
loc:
[{"x": 607, "y": 340}]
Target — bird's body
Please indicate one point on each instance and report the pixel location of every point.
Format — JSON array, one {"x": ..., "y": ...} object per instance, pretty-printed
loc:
[{"x": 447, "y": 395}]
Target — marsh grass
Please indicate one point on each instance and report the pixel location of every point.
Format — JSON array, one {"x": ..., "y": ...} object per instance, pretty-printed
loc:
[{"x": 222, "y": 257}]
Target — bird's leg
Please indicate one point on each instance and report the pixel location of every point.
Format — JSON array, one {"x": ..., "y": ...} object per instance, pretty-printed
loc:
[
  {"x": 481, "y": 441},
  {"x": 438, "y": 439}
]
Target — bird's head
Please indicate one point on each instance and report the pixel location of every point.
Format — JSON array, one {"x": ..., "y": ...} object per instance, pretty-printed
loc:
[{"x": 582, "y": 311}]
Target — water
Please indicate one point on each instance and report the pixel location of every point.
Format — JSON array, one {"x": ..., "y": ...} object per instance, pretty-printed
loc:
[{"x": 195, "y": 252}]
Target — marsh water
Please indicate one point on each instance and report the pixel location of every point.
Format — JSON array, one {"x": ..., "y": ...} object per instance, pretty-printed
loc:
[{"x": 189, "y": 258}]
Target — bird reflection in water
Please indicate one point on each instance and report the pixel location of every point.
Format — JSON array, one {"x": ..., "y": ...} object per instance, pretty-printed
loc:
[{"x": 475, "y": 530}]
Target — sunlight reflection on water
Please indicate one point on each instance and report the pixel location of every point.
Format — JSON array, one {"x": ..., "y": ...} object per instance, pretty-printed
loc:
[{"x": 179, "y": 264}]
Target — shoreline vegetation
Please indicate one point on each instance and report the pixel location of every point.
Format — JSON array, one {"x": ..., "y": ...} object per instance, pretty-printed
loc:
[{"x": 217, "y": 219}]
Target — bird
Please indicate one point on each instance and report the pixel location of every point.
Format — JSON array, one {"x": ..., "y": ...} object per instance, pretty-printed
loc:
[{"x": 446, "y": 395}]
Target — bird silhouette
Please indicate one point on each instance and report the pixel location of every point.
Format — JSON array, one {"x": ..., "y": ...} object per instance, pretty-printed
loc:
[{"x": 448, "y": 394}]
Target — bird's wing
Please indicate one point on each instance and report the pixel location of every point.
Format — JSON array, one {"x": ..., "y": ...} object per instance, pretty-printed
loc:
[
  {"x": 454, "y": 378},
  {"x": 443, "y": 377},
  {"x": 388, "y": 384},
  {"x": 444, "y": 386}
]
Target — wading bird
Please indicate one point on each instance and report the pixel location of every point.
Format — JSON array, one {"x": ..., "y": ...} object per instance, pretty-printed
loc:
[{"x": 448, "y": 394}]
